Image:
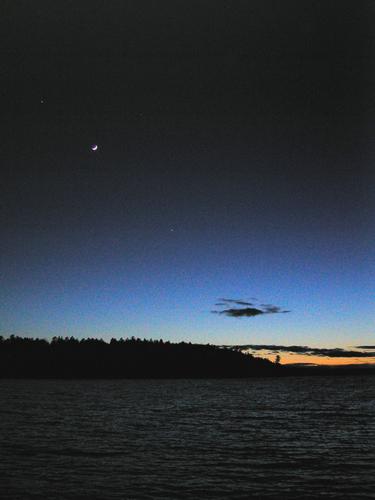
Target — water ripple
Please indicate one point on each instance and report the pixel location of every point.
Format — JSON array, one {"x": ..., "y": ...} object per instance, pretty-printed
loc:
[{"x": 224, "y": 439}]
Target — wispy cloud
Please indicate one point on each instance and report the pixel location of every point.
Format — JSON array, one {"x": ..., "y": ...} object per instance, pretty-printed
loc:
[
  {"x": 309, "y": 351},
  {"x": 239, "y": 302},
  {"x": 245, "y": 312}
]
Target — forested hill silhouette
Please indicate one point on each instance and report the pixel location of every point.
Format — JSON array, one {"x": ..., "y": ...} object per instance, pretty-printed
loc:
[{"x": 130, "y": 358}]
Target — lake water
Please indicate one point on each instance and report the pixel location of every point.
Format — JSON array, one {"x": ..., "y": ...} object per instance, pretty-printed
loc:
[{"x": 169, "y": 439}]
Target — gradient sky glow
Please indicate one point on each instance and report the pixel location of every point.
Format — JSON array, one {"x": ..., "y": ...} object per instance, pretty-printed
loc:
[{"x": 235, "y": 159}]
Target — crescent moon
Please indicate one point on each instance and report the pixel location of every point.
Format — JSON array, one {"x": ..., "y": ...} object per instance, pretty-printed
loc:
[{"x": 94, "y": 147}]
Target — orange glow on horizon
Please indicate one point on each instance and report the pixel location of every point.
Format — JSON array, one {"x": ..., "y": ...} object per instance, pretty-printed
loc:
[{"x": 289, "y": 358}]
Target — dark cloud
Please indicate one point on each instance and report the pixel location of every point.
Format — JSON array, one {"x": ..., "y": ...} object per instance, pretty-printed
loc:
[
  {"x": 309, "y": 351},
  {"x": 365, "y": 346},
  {"x": 246, "y": 312},
  {"x": 240, "y": 313}
]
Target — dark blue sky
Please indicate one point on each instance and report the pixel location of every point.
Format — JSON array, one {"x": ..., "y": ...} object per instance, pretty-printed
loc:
[{"x": 235, "y": 159}]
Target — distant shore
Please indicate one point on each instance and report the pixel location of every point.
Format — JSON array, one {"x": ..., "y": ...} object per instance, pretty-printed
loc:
[{"x": 92, "y": 358}]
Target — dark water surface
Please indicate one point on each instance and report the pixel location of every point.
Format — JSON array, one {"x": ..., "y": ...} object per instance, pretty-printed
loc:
[{"x": 157, "y": 439}]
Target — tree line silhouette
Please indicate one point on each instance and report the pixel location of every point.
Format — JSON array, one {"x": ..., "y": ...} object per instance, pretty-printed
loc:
[{"x": 70, "y": 357}]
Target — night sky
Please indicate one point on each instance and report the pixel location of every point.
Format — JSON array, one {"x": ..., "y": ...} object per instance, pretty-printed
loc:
[{"x": 235, "y": 160}]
